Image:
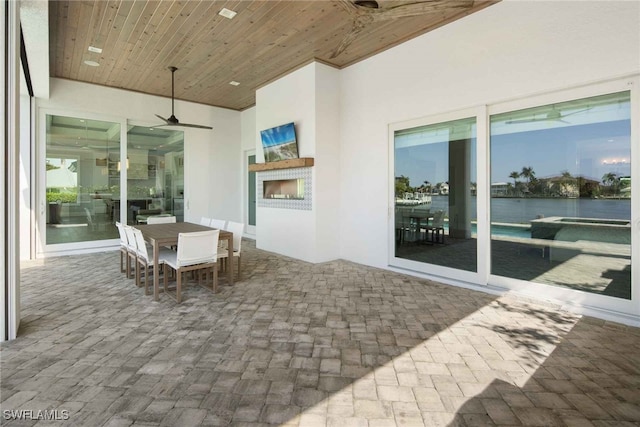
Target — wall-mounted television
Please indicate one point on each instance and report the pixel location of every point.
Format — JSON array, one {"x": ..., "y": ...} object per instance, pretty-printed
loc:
[{"x": 279, "y": 143}]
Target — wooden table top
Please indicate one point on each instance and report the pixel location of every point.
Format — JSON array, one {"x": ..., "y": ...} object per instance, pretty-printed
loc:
[{"x": 170, "y": 231}]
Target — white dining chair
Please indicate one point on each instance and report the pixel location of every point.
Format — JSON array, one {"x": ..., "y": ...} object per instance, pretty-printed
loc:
[
  {"x": 144, "y": 260},
  {"x": 196, "y": 251},
  {"x": 161, "y": 220},
  {"x": 237, "y": 228},
  {"x": 205, "y": 221},
  {"x": 132, "y": 249},
  {"x": 220, "y": 224},
  {"x": 124, "y": 248}
]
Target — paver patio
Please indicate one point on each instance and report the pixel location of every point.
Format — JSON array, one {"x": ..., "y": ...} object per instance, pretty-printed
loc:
[{"x": 293, "y": 343}]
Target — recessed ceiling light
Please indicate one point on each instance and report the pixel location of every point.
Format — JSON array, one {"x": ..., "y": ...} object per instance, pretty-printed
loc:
[
  {"x": 92, "y": 63},
  {"x": 150, "y": 128},
  {"x": 95, "y": 49},
  {"x": 227, "y": 13},
  {"x": 234, "y": 83},
  {"x": 81, "y": 121}
]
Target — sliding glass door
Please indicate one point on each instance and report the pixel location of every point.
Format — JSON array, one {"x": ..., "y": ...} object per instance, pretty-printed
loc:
[
  {"x": 81, "y": 179},
  {"x": 155, "y": 173},
  {"x": 561, "y": 194},
  {"x": 435, "y": 209},
  {"x": 545, "y": 203},
  {"x": 91, "y": 180}
]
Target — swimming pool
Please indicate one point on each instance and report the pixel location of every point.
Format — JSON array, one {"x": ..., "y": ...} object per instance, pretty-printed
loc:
[{"x": 503, "y": 229}]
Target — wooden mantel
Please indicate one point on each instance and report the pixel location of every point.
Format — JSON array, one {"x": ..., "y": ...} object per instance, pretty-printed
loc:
[{"x": 302, "y": 162}]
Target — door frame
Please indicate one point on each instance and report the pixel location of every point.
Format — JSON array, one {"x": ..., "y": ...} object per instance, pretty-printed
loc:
[
  {"x": 43, "y": 249},
  {"x": 249, "y": 230},
  {"x": 480, "y": 276}
]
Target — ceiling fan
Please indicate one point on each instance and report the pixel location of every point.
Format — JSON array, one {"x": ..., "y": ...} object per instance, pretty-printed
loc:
[
  {"x": 552, "y": 116},
  {"x": 173, "y": 121},
  {"x": 366, "y": 12}
]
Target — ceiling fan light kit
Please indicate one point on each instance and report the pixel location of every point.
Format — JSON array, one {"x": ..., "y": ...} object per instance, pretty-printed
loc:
[{"x": 173, "y": 120}]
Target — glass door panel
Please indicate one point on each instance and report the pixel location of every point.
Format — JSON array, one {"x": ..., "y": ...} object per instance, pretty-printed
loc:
[
  {"x": 251, "y": 179},
  {"x": 561, "y": 194},
  {"x": 80, "y": 182},
  {"x": 155, "y": 173},
  {"x": 435, "y": 194}
]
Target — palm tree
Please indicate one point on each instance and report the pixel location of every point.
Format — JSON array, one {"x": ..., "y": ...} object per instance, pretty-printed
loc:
[
  {"x": 515, "y": 175},
  {"x": 528, "y": 174},
  {"x": 611, "y": 180}
]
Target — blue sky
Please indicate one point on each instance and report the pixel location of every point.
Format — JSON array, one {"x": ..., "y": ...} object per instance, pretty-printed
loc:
[
  {"x": 278, "y": 135},
  {"x": 581, "y": 150}
]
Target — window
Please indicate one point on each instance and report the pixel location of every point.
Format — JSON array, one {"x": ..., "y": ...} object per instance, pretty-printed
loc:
[
  {"x": 561, "y": 195},
  {"x": 435, "y": 194}
]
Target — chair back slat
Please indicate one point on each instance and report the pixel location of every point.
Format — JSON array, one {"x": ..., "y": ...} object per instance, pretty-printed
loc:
[
  {"x": 161, "y": 220},
  {"x": 237, "y": 228},
  {"x": 438, "y": 219},
  {"x": 131, "y": 238},
  {"x": 123, "y": 236},
  {"x": 140, "y": 244},
  {"x": 218, "y": 223},
  {"x": 197, "y": 248}
]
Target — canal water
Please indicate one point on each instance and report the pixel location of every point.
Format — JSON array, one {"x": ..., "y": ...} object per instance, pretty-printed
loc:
[{"x": 523, "y": 210}]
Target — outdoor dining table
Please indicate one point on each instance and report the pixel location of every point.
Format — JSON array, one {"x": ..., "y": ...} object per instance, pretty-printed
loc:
[{"x": 167, "y": 235}]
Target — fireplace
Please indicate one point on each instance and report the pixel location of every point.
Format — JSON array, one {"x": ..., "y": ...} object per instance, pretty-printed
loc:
[
  {"x": 285, "y": 189},
  {"x": 292, "y": 189}
]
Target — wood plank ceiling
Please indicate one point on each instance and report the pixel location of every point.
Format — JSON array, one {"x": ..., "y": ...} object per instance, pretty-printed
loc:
[{"x": 268, "y": 38}]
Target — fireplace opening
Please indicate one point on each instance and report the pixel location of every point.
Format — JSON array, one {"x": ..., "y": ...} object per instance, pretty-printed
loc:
[{"x": 284, "y": 189}]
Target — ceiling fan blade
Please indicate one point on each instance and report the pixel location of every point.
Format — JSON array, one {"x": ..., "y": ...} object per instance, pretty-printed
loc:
[
  {"x": 163, "y": 119},
  {"x": 185, "y": 125},
  {"x": 348, "y": 6},
  {"x": 418, "y": 9},
  {"x": 577, "y": 112},
  {"x": 358, "y": 25},
  {"x": 189, "y": 125},
  {"x": 541, "y": 119}
]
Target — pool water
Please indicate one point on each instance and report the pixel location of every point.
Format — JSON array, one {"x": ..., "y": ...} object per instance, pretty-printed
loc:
[{"x": 504, "y": 230}]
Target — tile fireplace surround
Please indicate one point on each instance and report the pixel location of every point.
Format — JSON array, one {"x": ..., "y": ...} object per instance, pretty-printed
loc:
[{"x": 306, "y": 203}]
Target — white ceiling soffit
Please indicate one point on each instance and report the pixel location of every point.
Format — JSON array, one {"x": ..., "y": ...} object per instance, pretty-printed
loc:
[{"x": 34, "y": 18}]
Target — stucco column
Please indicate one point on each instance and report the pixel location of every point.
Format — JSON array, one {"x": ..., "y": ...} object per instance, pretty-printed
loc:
[{"x": 460, "y": 189}]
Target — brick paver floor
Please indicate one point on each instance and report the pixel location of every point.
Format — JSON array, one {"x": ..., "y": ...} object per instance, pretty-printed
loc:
[{"x": 292, "y": 343}]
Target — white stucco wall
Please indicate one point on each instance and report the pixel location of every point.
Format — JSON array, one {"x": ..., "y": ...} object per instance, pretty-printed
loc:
[
  {"x": 507, "y": 51},
  {"x": 309, "y": 97},
  {"x": 327, "y": 165},
  {"x": 289, "y": 99},
  {"x": 212, "y": 158}
]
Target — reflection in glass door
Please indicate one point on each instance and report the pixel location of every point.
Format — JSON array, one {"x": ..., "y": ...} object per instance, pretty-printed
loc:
[
  {"x": 435, "y": 194},
  {"x": 81, "y": 179},
  {"x": 155, "y": 173},
  {"x": 561, "y": 194}
]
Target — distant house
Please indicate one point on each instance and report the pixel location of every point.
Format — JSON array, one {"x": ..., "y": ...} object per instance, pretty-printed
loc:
[
  {"x": 570, "y": 186},
  {"x": 499, "y": 188}
]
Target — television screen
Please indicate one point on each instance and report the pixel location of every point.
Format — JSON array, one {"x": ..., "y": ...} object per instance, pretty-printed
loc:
[{"x": 279, "y": 143}]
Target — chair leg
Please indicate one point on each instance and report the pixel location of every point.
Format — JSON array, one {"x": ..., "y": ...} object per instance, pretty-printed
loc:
[
  {"x": 138, "y": 272},
  {"x": 165, "y": 273},
  {"x": 122, "y": 255},
  {"x": 146, "y": 278},
  {"x": 178, "y": 286},
  {"x": 239, "y": 262},
  {"x": 215, "y": 279}
]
